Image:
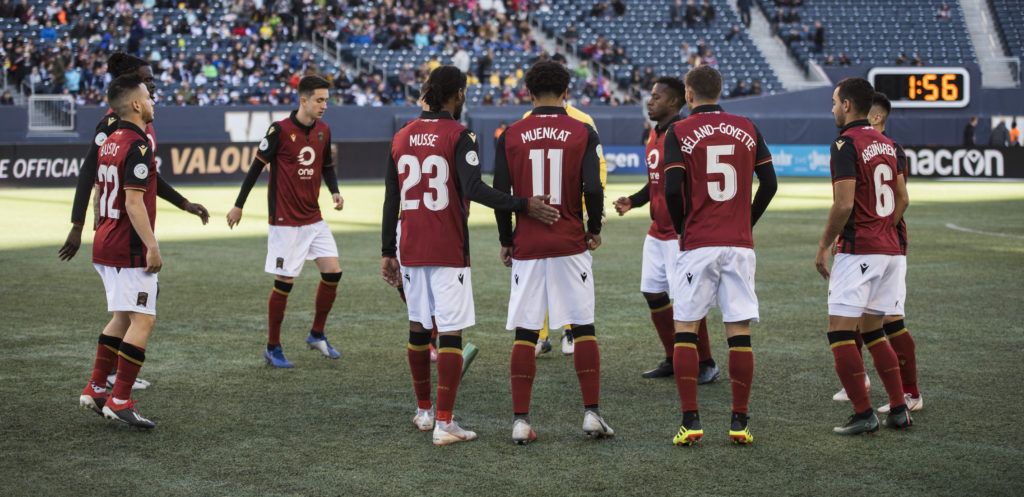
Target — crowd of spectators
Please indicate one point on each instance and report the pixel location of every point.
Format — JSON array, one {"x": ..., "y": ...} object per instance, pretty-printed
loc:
[{"x": 687, "y": 16}]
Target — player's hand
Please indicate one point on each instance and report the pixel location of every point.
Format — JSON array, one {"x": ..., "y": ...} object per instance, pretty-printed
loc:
[
  {"x": 821, "y": 261},
  {"x": 234, "y": 217},
  {"x": 153, "y": 260},
  {"x": 390, "y": 271},
  {"x": 72, "y": 243},
  {"x": 199, "y": 210},
  {"x": 835, "y": 246},
  {"x": 593, "y": 241},
  {"x": 339, "y": 202},
  {"x": 623, "y": 205},
  {"x": 506, "y": 256},
  {"x": 538, "y": 209}
]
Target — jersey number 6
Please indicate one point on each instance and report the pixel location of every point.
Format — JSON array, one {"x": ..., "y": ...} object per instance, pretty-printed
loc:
[{"x": 432, "y": 163}]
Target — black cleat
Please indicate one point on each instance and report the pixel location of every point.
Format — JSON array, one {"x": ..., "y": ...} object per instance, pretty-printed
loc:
[
  {"x": 899, "y": 418},
  {"x": 858, "y": 423},
  {"x": 664, "y": 369},
  {"x": 126, "y": 413},
  {"x": 708, "y": 372}
]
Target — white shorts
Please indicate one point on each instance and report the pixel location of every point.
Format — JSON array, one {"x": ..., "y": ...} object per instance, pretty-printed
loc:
[
  {"x": 560, "y": 287},
  {"x": 289, "y": 247},
  {"x": 658, "y": 268},
  {"x": 867, "y": 283},
  {"x": 444, "y": 293},
  {"x": 129, "y": 289},
  {"x": 709, "y": 274}
]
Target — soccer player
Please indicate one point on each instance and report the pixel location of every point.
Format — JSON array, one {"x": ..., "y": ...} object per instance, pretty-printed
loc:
[
  {"x": 432, "y": 174},
  {"x": 550, "y": 153},
  {"x": 544, "y": 342},
  {"x": 711, "y": 158},
  {"x": 125, "y": 251},
  {"x": 868, "y": 273},
  {"x": 119, "y": 64},
  {"x": 298, "y": 151},
  {"x": 662, "y": 245},
  {"x": 895, "y": 329}
]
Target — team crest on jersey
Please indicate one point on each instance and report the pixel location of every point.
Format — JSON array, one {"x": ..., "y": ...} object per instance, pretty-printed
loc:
[
  {"x": 141, "y": 171},
  {"x": 600, "y": 151},
  {"x": 100, "y": 138},
  {"x": 142, "y": 299},
  {"x": 320, "y": 136},
  {"x": 264, "y": 144},
  {"x": 472, "y": 158}
]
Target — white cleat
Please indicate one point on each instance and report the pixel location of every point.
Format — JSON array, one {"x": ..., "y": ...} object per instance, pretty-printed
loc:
[
  {"x": 522, "y": 433},
  {"x": 841, "y": 396},
  {"x": 914, "y": 404},
  {"x": 543, "y": 347},
  {"x": 448, "y": 433},
  {"x": 568, "y": 347},
  {"x": 594, "y": 425},
  {"x": 424, "y": 419},
  {"x": 140, "y": 384}
]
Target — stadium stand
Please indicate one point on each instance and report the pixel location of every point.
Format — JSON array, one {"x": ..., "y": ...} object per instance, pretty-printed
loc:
[
  {"x": 872, "y": 32},
  {"x": 1009, "y": 16}
]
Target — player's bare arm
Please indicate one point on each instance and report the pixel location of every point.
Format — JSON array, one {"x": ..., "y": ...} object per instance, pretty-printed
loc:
[
  {"x": 837, "y": 216},
  {"x": 139, "y": 217}
]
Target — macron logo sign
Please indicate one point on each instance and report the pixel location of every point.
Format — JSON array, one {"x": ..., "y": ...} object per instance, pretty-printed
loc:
[{"x": 956, "y": 162}]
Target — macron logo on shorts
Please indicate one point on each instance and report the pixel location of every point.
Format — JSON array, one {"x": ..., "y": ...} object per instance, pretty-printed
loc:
[
  {"x": 460, "y": 279},
  {"x": 516, "y": 278},
  {"x": 584, "y": 276},
  {"x": 407, "y": 277},
  {"x": 863, "y": 268},
  {"x": 689, "y": 278}
]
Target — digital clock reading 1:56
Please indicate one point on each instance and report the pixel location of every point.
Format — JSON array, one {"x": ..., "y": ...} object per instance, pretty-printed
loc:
[{"x": 923, "y": 87}]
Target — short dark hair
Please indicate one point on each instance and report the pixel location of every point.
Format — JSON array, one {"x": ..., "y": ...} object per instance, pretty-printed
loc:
[
  {"x": 676, "y": 85},
  {"x": 119, "y": 92},
  {"x": 547, "y": 77},
  {"x": 882, "y": 101},
  {"x": 443, "y": 83},
  {"x": 121, "y": 63},
  {"x": 309, "y": 84},
  {"x": 705, "y": 82},
  {"x": 859, "y": 92}
]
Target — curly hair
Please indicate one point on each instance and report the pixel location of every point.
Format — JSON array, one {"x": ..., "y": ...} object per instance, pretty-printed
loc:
[
  {"x": 547, "y": 77},
  {"x": 121, "y": 63},
  {"x": 443, "y": 83}
]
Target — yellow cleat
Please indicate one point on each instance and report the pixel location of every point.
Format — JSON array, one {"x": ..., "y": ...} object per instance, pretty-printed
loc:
[
  {"x": 739, "y": 430},
  {"x": 689, "y": 436}
]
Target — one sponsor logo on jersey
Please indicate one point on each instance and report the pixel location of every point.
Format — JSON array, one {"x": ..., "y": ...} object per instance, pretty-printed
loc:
[
  {"x": 264, "y": 144},
  {"x": 472, "y": 159},
  {"x": 306, "y": 157},
  {"x": 584, "y": 276},
  {"x": 142, "y": 299},
  {"x": 141, "y": 171},
  {"x": 100, "y": 138},
  {"x": 689, "y": 278},
  {"x": 280, "y": 262},
  {"x": 460, "y": 278},
  {"x": 653, "y": 158},
  {"x": 863, "y": 268}
]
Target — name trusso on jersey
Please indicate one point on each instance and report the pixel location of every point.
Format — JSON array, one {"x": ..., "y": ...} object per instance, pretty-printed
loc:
[
  {"x": 877, "y": 148},
  {"x": 422, "y": 140},
  {"x": 699, "y": 133},
  {"x": 545, "y": 134}
]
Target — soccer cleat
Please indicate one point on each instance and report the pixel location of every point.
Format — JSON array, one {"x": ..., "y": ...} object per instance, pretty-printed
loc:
[
  {"x": 689, "y": 434},
  {"x": 275, "y": 357},
  {"x": 468, "y": 354},
  {"x": 126, "y": 413},
  {"x": 93, "y": 398},
  {"x": 664, "y": 369},
  {"x": 449, "y": 433},
  {"x": 322, "y": 345},
  {"x": 543, "y": 347},
  {"x": 841, "y": 396},
  {"x": 913, "y": 403},
  {"x": 424, "y": 419},
  {"x": 899, "y": 419},
  {"x": 567, "y": 345},
  {"x": 708, "y": 373},
  {"x": 522, "y": 433},
  {"x": 739, "y": 430},
  {"x": 140, "y": 384},
  {"x": 857, "y": 425},
  {"x": 594, "y": 425},
  {"x": 433, "y": 353}
]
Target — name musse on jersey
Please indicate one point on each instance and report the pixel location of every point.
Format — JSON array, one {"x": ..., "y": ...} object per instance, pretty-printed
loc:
[
  {"x": 688, "y": 143},
  {"x": 877, "y": 148}
]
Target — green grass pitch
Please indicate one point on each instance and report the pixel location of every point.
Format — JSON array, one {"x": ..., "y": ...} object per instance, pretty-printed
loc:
[{"x": 227, "y": 424}]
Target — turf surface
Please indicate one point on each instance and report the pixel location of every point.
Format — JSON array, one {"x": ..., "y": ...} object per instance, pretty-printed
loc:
[{"x": 227, "y": 424}]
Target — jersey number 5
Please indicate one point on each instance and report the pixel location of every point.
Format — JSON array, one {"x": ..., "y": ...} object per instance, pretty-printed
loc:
[
  {"x": 727, "y": 189},
  {"x": 439, "y": 182},
  {"x": 554, "y": 176},
  {"x": 108, "y": 178}
]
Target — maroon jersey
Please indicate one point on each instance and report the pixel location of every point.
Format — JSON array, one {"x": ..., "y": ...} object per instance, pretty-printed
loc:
[
  {"x": 550, "y": 153},
  {"x": 661, "y": 221},
  {"x": 296, "y": 154},
  {"x": 125, "y": 162},
  {"x": 901, "y": 165},
  {"x": 718, "y": 152},
  {"x": 865, "y": 156},
  {"x": 433, "y": 172}
]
